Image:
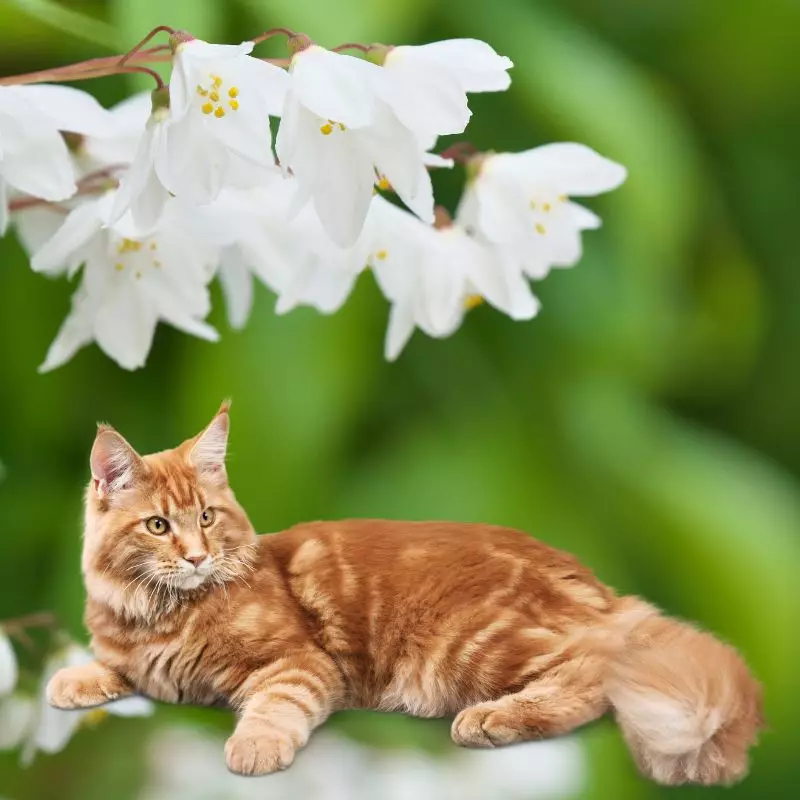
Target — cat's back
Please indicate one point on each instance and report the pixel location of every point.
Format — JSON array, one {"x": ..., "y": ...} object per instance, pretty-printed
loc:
[
  {"x": 404, "y": 605},
  {"x": 446, "y": 563}
]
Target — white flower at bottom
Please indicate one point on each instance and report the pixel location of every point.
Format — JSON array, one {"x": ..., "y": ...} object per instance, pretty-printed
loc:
[
  {"x": 129, "y": 283},
  {"x": 8, "y": 665},
  {"x": 52, "y": 728},
  {"x": 431, "y": 276},
  {"x": 521, "y": 201}
]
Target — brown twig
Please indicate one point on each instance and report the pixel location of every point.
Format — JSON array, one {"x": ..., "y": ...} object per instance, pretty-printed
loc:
[
  {"x": 460, "y": 152},
  {"x": 364, "y": 48},
  {"x": 134, "y": 50},
  {"x": 262, "y": 37}
]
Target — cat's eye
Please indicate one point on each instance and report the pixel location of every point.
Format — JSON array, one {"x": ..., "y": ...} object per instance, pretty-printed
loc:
[
  {"x": 158, "y": 526},
  {"x": 207, "y": 518}
]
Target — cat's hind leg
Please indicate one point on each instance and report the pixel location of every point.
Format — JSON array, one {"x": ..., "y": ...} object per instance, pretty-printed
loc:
[{"x": 549, "y": 706}]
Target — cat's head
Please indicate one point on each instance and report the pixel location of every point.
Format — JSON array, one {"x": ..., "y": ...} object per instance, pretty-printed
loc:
[{"x": 162, "y": 527}]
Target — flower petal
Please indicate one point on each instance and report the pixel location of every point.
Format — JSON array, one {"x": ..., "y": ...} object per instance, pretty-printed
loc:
[
  {"x": 237, "y": 286},
  {"x": 124, "y": 327},
  {"x": 134, "y": 706},
  {"x": 399, "y": 330},
  {"x": 77, "y": 230},
  {"x": 335, "y": 86},
  {"x": 570, "y": 168},
  {"x": 75, "y": 332},
  {"x": 8, "y": 666},
  {"x": 70, "y": 109},
  {"x": 16, "y": 717}
]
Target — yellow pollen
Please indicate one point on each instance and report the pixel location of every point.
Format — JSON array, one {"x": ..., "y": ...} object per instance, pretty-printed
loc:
[
  {"x": 207, "y": 108},
  {"x": 382, "y": 255},
  {"x": 562, "y": 198},
  {"x": 341, "y": 127},
  {"x": 129, "y": 246},
  {"x": 472, "y": 301},
  {"x": 383, "y": 183},
  {"x": 233, "y": 92},
  {"x": 234, "y": 104},
  {"x": 546, "y": 207},
  {"x": 217, "y": 81},
  {"x": 213, "y": 96},
  {"x": 201, "y": 91},
  {"x": 540, "y": 228},
  {"x": 533, "y": 205},
  {"x": 119, "y": 266},
  {"x": 220, "y": 112},
  {"x": 326, "y": 129}
]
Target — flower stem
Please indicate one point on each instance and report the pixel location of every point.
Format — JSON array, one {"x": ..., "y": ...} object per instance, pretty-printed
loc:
[
  {"x": 147, "y": 71},
  {"x": 93, "y": 183},
  {"x": 460, "y": 152},
  {"x": 134, "y": 50},
  {"x": 93, "y": 68},
  {"x": 364, "y": 48},
  {"x": 273, "y": 32}
]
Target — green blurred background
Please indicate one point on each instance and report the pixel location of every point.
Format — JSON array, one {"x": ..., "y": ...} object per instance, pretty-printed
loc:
[{"x": 648, "y": 420}]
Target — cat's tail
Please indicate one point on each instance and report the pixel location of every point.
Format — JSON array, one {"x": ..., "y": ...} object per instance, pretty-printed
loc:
[{"x": 687, "y": 704}]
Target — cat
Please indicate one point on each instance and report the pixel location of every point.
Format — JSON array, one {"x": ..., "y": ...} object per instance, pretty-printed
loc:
[{"x": 514, "y": 638}]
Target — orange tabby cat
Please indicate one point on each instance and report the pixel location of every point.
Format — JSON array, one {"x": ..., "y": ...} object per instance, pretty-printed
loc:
[{"x": 517, "y": 640}]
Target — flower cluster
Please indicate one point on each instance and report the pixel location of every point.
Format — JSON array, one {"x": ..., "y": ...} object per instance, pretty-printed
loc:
[
  {"x": 27, "y": 721},
  {"x": 153, "y": 199}
]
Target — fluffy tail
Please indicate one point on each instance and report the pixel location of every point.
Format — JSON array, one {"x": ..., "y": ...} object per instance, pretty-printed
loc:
[{"x": 686, "y": 702}]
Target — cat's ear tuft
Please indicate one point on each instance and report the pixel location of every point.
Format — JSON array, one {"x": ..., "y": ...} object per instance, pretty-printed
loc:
[
  {"x": 211, "y": 446},
  {"x": 115, "y": 464}
]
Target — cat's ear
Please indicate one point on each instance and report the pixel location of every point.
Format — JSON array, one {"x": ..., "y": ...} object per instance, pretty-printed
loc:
[
  {"x": 211, "y": 446},
  {"x": 115, "y": 464}
]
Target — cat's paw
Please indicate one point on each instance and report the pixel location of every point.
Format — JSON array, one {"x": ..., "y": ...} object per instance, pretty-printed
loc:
[
  {"x": 486, "y": 725},
  {"x": 259, "y": 751},
  {"x": 69, "y": 689}
]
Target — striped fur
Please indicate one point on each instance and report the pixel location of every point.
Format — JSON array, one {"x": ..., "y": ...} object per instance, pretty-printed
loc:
[{"x": 513, "y": 638}]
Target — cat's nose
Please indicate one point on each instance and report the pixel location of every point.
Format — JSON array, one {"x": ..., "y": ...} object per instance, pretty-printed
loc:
[{"x": 195, "y": 561}]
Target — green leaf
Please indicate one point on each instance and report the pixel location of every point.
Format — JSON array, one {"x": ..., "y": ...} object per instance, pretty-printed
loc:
[{"x": 71, "y": 22}]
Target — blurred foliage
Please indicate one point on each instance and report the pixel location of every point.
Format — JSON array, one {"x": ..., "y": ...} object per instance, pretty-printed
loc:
[{"x": 647, "y": 420}]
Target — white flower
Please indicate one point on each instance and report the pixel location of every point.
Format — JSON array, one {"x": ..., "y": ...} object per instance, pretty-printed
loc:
[
  {"x": 185, "y": 765},
  {"x": 213, "y": 132},
  {"x": 33, "y": 156},
  {"x": 16, "y": 718},
  {"x": 430, "y": 82},
  {"x": 292, "y": 255},
  {"x": 129, "y": 283},
  {"x": 338, "y": 133},
  {"x": 8, "y": 665},
  {"x": 52, "y": 728},
  {"x": 432, "y": 276},
  {"x": 521, "y": 201}
]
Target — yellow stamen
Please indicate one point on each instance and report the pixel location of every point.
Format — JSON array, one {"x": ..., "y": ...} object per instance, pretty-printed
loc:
[
  {"x": 153, "y": 246},
  {"x": 213, "y": 97},
  {"x": 220, "y": 112},
  {"x": 138, "y": 275},
  {"x": 217, "y": 81},
  {"x": 157, "y": 263},
  {"x": 326, "y": 129},
  {"x": 562, "y": 198},
  {"x": 234, "y": 104},
  {"x": 383, "y": 183},
  {"x": 207, "y": 108},
  {"x": 473, "y": 301},
  {"x": 94, "y": 717},
  {"x": 533, "y": 205},
  {"x": 546, "y": 207},
  {"x": 129, "y": 246},
  {"x": 119, "y": 266},
  {"x": 233, "y": 92},
  {"x": 382, "y": 255},
  {"x": 540, "y": 228},
  {"x": 201, "y": 91},
  {"x": 341, "y": 127}
]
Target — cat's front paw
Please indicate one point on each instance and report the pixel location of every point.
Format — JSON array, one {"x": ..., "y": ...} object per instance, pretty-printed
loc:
[
  {"x": 486, "y": 725},
  {"x": 71, "y": 688},
  {"x": 259, "y": 751}
]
